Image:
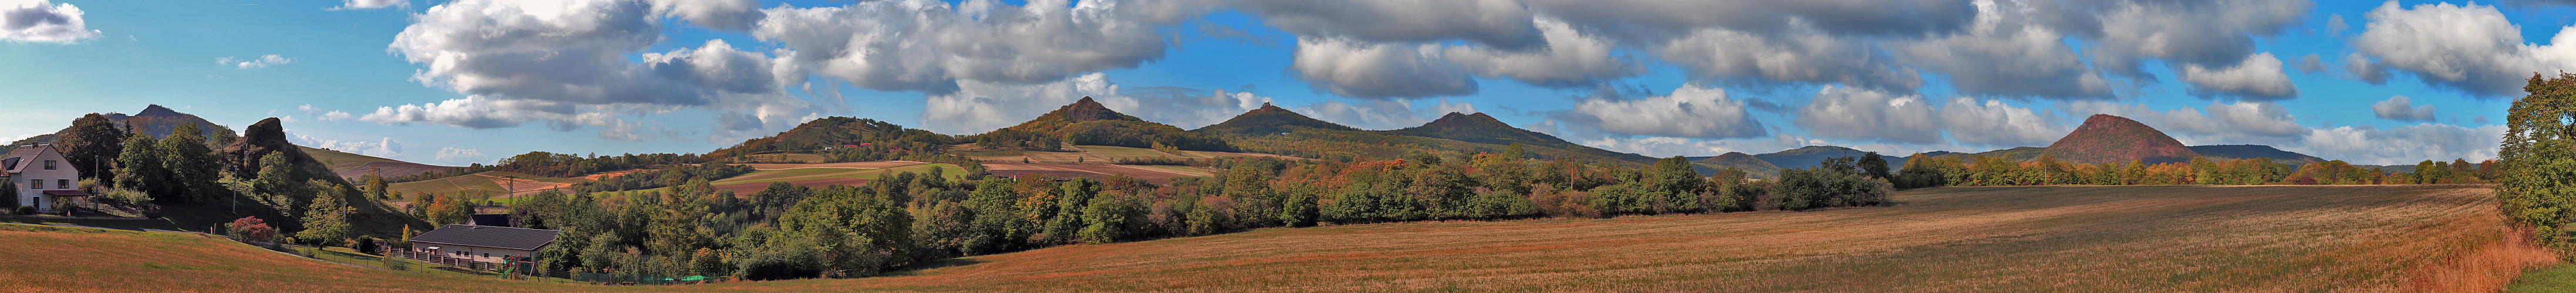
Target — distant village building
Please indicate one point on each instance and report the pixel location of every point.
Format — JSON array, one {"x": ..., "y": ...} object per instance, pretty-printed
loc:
[
  {"x": 43, "y": 176},
  {"x": 479, "y": 247}
]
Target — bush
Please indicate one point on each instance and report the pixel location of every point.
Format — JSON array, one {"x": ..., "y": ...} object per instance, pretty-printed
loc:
[
  {"x": 26, "y": 210},
  {"x": 121, "y": 196}
]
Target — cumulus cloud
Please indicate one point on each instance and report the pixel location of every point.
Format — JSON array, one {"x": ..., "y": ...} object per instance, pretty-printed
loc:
[
  {"x": 461, "y": 156},
  {"x": 2401, "y": 108},
  {"x": 261, "y": 62},
  {"x": 1494, "y": 23},
  {"x": 1378, "y": 70},
  {"x": 2210, "y": 34},
  {"x": 1192, "y": 108},
  {"x": 1691, "y": 111},
  {"x": 1571, "y": 58},
  {"x": 382, "y": 148},
  {"x": 1995, "y": 124},
  {"x": 1865, "y": 115},
  {"x": 370, "y": 4},
  {"x": 2004, "y": 53},
  {"x": 2259, "y": 78},
  {"x": 930, "y": 46},
  {"x": 42, "y": 21},
  {"x": 570, "y": 63},
  {"x": 1840, "y": 17},
  {"x": 2403, "y": 144},
  {"x": 2470, "y": 48},
  {"x": 1799, "y": 56}
]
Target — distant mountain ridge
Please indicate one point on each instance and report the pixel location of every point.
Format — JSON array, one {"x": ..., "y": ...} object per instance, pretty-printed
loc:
[
  {"x": 1087, "y": 122},
  {"x": 154, "y": 120},
  {"x": 1278, "y": 130},
  {"x": 1752, "y": 166},
  {"x": 1269, "y": 120}
]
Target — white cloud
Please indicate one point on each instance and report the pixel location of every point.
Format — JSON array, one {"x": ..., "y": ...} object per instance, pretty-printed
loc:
[
  {"x": 261, "y": 62},
  {"x": 1360, "y": 69},
  {"x": 2006, "y": 53},
  {"x": 978, "y": 107},
  {"x": 2259, "y": 78},
  {"x": 1998, "y": 125},
  {"x": 2403, "y": 144},
  {"x": 42, "y": 21},
  {"x": 1690, "y": 111},
  {"x": 2401, "y": 108},
  {"x": 1494, "y": 23},
  {"x": 1571, "y": 58},
  {"x": 930, "y": 46},
  {"x": 1804, "y": 55},
  {"x": 371, "y": 4},
  {"x": 382, "y": 148},
  {"x": 570, "y": 63},
  {"x": 1866, "y": 115},
  {"x": 461, "y": 156},
  {"x": 319, "y": 114},
  {"x": 2470, "y": 48}
]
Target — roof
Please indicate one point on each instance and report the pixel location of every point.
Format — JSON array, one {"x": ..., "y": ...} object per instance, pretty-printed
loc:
[
  {"x": 23, "y": 154},
  {"x": 66, "y": 193},
  {"x": 489, "y": 236}
]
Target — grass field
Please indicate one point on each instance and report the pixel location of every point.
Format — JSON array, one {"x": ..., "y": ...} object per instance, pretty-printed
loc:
[
  {"x": 53, "y": 259},
  {"x": 487, "y": 182},
  {"x": 2084, "y": 239},
  {"x": 332, "y": 157}
]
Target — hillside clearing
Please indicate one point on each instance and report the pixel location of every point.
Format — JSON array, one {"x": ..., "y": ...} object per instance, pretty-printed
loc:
[{"x": 2059, "y": 238}]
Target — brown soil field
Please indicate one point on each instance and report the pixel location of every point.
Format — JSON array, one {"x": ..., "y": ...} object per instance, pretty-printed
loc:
[
  {"x": 1084, "y": 171},
  {"x": 1986, "y": 239},
  {"x": 2057, "y": 238}
]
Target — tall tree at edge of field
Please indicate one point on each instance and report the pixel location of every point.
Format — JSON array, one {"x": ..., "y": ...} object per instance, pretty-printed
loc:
[
  {"x": 93, "y": 141},
  {"x": 2536, "y": 189}
]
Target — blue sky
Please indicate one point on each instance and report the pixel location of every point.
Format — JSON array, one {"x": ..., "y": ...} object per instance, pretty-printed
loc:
[{"x": 456, "y": 82}]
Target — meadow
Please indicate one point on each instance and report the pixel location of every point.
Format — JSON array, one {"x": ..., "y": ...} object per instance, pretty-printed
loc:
[{"x": 2048, "y": 238}]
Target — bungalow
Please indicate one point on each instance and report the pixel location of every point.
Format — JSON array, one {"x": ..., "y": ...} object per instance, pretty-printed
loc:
[
  {"x": 479, "y": 247},
  {"x": 43, "y": 176}
]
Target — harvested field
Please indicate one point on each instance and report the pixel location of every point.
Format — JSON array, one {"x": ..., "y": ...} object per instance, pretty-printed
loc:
[
  {"x": 1154, "y": 174},
  {"x": 54, "y": 259},
  {"x": 2059, "y": 238}
]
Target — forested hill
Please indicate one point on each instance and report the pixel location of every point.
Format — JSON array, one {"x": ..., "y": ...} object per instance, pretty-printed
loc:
[
  {"x": 154, "y": 120},
  {"x": 1087, "y": 122},
  {"x": 1271, "y": 129},
  {"x": 1269, "y": 120},
  {"x": 2249, "y": 151},
  {"x": 2106, "y": 139},
  {"x": 834, "y": 132}
]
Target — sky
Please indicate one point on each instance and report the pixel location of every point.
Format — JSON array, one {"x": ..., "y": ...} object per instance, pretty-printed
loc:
[{"x": 474, "y": 81}]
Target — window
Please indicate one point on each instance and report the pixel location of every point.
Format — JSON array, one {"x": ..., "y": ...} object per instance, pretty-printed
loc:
[
  {"x": 49, "y": 164},
  {"x": 62, "y": 183},
  {"x": 35, "y": 184}
]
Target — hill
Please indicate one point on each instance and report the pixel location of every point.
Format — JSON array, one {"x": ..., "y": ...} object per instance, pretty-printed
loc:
[
  {"x": 834, "y": 132},
  {"x": 351, "y": 167},
  {"x": 1753, "y": 167},
  {"x": 154, "y": 120},
  {"x": 1274, "y": 130},
  {"x": 2015, "y": 154},
  {"x": 2106, "y": 139},
  {"x": 1809, "y": 156},
  {"x": 2092, "y": 239},
  {"x": 2249, "y": 151},
  {"x": 1087, "y": 122},
  {"x": 1269, "y": 120}
]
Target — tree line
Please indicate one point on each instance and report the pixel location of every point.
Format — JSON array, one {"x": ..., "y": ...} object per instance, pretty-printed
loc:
[{"x": 1929, "y": 171}]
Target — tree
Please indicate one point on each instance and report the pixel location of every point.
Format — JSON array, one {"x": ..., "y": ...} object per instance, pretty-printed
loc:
[
  {"x": 275, "y": 175},
  {"x": 326, "y": 220},
  {"x": 139, "y": 168},
  {"x": 91, "y": 143},
  {"x": 11, "y": 197},
  {"x": 1874, "y": 165},
  {"x": 252, "y": 228},
  {"x": 192, "y": 167},
  {"x": 2536, "y": 190}
]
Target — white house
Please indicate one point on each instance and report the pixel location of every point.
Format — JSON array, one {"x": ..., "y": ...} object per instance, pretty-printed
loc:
[{"x": 43, "y": 176}]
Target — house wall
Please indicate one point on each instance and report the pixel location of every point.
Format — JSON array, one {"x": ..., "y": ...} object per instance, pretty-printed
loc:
[
  {"x": 29, "y": 194},
  {"x": 476, "y": 253}
]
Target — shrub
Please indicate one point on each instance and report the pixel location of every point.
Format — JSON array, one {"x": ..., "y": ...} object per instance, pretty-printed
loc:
[{"x": 26, "y": 210}]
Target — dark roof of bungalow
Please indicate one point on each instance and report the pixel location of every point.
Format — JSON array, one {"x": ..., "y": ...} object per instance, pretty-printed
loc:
[{"x": 489, "y": 236}]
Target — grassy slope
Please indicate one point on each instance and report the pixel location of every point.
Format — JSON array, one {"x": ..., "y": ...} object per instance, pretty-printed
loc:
[
  {"x": 2149, "y": 238},
  {"x": 45, "y": 259},
  {"x": 471, "y": 182},
  {"x": 331, "y": 157},
  {"x": 953, "y": 173}
]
